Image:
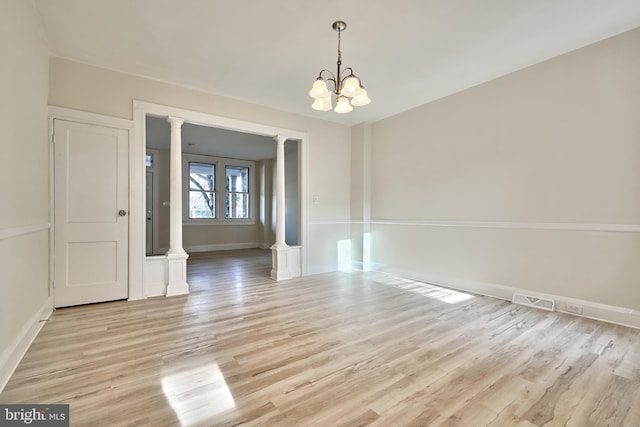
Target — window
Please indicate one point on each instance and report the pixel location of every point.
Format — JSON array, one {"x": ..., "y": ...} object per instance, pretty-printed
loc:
[
  {"x": 237, "y": 189},
  {"x": 217, "y": 191},
  {"x": 202, "y": 190}
]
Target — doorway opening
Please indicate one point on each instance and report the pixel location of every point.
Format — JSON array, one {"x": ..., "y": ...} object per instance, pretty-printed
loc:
[
  {"x": 223, "y": 231},
  {"x": 228, "y": 188}
]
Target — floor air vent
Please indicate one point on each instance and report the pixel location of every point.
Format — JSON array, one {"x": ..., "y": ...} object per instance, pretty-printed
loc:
[{"x": 545, "y": 304}]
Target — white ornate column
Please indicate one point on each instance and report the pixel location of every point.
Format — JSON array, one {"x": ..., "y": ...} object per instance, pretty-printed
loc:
[
  {"x": 176, "y": 256},
  {"x": 280, "y": 250}
]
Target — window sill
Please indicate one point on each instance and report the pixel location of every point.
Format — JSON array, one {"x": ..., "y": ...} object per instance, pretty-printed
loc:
[{"x": 209, "y": 223}]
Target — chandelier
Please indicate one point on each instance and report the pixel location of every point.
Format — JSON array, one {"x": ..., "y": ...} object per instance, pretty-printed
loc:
[{"x": 344, "y": 86}]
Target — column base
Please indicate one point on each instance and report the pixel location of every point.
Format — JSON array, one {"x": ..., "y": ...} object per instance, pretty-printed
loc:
[
  {"x": 285, "y": 262},
  {"x": 177, "y": 274},
  {"x": 280, "y": 263}
]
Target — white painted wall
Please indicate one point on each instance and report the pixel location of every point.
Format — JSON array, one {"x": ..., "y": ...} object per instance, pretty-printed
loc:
[
  {"x": 515, "y": 182},
  {"x": 24, "y": 211},
  {"x": 86, "y": 88}
]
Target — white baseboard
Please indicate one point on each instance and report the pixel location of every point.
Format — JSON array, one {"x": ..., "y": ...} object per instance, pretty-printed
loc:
[
  {"x": 219, "y": 247},
  {"x": 12, "y": 355},
  {"x": 592, "y": 310},
  {"x": 222, "y": 247}
]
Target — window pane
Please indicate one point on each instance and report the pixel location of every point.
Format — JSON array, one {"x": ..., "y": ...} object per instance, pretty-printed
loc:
[
  {"x": 149, "y": 160},
  {"x": 202, "y": 204},
  {"x": 237, "y": 179},
  {"x": 201, "y": 176},
  {"x": 237, "y": 205},
  {"x": 202, "y": 196},
  {"x": 237, "y": 188}
]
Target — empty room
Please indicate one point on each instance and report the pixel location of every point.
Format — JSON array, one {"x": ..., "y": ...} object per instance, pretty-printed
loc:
[{"x": 286, "y": 213}]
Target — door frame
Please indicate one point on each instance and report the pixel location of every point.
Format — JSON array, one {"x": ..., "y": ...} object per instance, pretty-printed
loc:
[
  {"x": 141, "y": 110},
  {"x": 70, "y": 115}
]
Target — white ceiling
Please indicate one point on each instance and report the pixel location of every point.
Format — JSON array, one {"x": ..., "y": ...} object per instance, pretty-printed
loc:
[{"x": 407, "y": 52}]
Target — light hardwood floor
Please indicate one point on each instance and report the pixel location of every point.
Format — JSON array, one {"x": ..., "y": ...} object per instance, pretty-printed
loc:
[{"x": 338, "y": 349}]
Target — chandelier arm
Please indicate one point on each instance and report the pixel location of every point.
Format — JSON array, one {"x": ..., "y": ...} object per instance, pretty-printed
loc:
[
  {"x": 333, "y": 77},
  {"x": 351, "y": 75},
  {"x": 335, "y": 85}
]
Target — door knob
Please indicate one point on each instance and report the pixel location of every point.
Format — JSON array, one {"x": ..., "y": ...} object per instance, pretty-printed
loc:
[{"x": 122, "y": 212}]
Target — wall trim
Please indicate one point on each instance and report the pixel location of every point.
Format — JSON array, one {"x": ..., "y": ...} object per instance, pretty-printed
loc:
[
  {"x": 70, "y": 115},
  {"x": 222, "y": 247},
  {"x": 621, "y": 228},
  {"x": 11, "y": 232},
  {"x": 12, "y": 355},
  {"x": 333, "y": 222},
  {"x": 592, "y": 310}
]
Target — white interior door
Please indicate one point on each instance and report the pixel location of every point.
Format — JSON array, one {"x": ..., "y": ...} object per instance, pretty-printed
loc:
[{"x": 91, "y": 213}]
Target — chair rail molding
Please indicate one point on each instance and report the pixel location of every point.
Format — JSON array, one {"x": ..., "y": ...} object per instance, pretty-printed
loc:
[
  {"x": 11, "y": 232},
  {"x": 622, "y": 228}
]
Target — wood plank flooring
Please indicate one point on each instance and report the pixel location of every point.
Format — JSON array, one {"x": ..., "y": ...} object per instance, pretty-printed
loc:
[{"x": 338, "y": 349}]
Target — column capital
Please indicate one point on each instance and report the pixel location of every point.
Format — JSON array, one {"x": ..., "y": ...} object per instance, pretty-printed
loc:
[
  {"x": 280, "y": 138},
  {"x": 175, "y": 121}
]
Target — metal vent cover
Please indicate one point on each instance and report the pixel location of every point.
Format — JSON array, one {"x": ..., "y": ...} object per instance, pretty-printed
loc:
[{"x": 532, "y": 301}]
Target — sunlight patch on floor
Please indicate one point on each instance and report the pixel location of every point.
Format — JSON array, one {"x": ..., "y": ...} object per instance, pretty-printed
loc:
[
  {"x": 449, "y": 296},
  {"x": 198, "y": 394}
]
